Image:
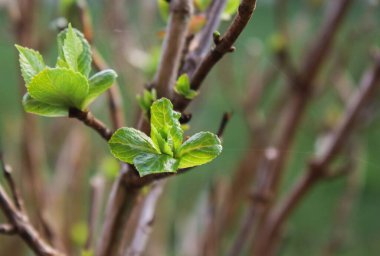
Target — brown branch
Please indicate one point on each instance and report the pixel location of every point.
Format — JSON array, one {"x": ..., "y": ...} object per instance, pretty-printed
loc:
[
  {"x": 146, "y": 220},
  {"x": 97, "y": 188},
  {"x": 88, "y": 119},
  {"x": 7, "y": 229},
  {"x": 174, "y": 43},
  {"x": 19, "y": 222},
  {"x": 8, "y": 176},
  {"x": 200, "y": 45},
  {"x": 319, "y": 165},
  {"x": 115, "y": 101},
  {"x": 223, "y": 123}
]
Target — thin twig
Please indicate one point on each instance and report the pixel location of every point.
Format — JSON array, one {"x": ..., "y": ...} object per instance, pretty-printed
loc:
[
  {"x": 7, "y": 229},
  {"x": 318, "y": 166},
  {"x": 223, "y": 123},
  {"x": 146, "y": 220},
  {"x": 8, "y": 176},
  {"x": 88, "y": 119}
]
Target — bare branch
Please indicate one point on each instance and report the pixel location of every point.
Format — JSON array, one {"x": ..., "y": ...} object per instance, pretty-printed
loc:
[
  {"x": 318, "y": 166},
  {"x": 146, "y": 220},
  {"x": 225, "y": 119},
  {"x": 88, "y": 119},
  {"x": 7, "y": 229},
  {"x": 174, "y": 43},
  {"x": 8, "y": 176}
]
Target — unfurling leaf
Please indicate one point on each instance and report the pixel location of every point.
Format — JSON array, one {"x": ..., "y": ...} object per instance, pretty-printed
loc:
[
  {"x": 164, "y": 151},
  {"x": 166, "y": 121},
  {"x": 182, "y": 87},
  {"x": 99, "y": 83},
  {"x": 146, "y": 99},
  {"x": 31, "y": 63},
  {"x": 199, "y": 149},
  {"x": 53, "y": 91}
]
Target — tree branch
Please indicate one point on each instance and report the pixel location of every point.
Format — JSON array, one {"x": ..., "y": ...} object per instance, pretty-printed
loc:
[
  {"x": 318, "y": 166},
  {"x": 88, "y": 119}
]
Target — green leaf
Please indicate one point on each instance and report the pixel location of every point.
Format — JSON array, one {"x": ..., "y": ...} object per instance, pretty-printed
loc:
[
  {"x": 127, "y": 143},
  {"x": 166, "y": 121},
  {"x": 146, "y": 99},
  {"x": 149, "y": 163},
  {"x": 36, "y": 107},
  {"x": 80, "y": 58},
  {"x": 199, "y": 149},
  {"x": 31, "y": 63},
  {"x": 182, "y": 87},
  {"x": 164, "y": 9},
  {"x": 99, "y": 83},
  {"x": 72, "y": 48},
  {"x": 59, "y": 87},
  {"x": 160, "y": 142}
]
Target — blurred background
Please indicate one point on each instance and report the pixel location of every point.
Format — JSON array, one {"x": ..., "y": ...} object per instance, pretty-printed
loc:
[{"x": 338, "y": 217}]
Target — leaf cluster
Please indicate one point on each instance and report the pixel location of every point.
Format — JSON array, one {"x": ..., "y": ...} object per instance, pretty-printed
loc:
[
  {"x": 164, "y": 151},
  {"x": 52, "y": 91}
]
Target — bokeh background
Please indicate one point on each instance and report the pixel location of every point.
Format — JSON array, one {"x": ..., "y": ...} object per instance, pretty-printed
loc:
[{"x": 129, "y": 34}]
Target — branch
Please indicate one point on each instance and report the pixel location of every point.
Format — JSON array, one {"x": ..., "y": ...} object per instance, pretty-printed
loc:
[
  {"x": 318, "y": 166},
  {"x": 224, "y": 45},
  {"x": 146, "y": 220},
  {"x": 8, "y": 176},
  {"x": 115, "y": 101},
  {"x": 7, "y": 229},
  {"x": 202, "y": 42},
  {"x": 174, "y": 43},
  {"x": 88, "y": 119},
  {"x": 223, "y": 123},
  {"x": 21, "y": 225}
]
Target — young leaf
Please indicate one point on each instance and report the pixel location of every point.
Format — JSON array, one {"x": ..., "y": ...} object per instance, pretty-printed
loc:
[
  {"x": 84, "y": 58},
  {"x": 160, "y": 142},
  {"x": 31, "y": 63},
  {"x": 182, "y": 87},
  {"x": 165, "y": 120},
  {"x": 199, "y": 149},
  {"x": 72, "y": 48},
  {"x": 149, "y": 163},
  {"x": 127, "y": 143},
  {"x": 99, "y": 83},
  {"x": 59, "y": 87},
  {"x": 231, "y": 8},
  {"x": 146, "y": 99},
  {"x": 36, "y": 107}
]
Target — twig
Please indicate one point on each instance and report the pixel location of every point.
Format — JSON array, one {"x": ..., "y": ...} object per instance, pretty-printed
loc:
[
  {"x": 19, "y": 222},
  {"x": 88, "y": 119},
  {"x": 97, "y": 188},
  {"x": 7, "y": 229},
  {"x": 318, "y": 166},
  {"x": 174, "y": 43},
  {"x": 202, "y": 42},
  {"x": 8, "y": 176},
  {"x": 225, "y": 119},
  {"x": 146, "y": 220},
  {"x": 224, "y": 45},
  {"x": 115, "y": 101},
  {"x": 260, "y": 198}
]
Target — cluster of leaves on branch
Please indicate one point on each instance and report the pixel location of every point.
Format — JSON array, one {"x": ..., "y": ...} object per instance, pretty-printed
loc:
[
  {"x": 53, "y": 91},
  {"x": 164, "y": 151}
]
